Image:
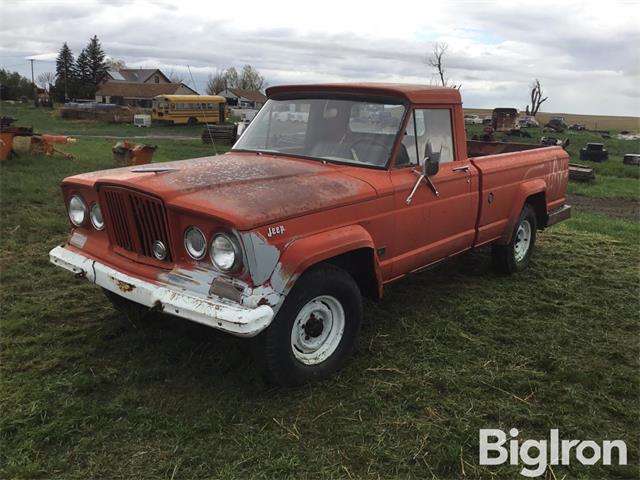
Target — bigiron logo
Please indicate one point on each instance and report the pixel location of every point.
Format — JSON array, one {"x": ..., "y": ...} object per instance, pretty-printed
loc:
[{"x": 538, "y": 454}]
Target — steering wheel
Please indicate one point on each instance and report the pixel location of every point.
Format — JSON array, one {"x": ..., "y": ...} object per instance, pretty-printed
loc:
[{"x": 369, "y": 143}]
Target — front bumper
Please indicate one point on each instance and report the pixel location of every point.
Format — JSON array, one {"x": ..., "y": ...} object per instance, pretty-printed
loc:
[{"x": 218, "y": 313}]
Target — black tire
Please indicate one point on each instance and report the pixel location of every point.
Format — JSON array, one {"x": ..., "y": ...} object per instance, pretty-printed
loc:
[
  {"x": 274, "y": 349},
  {"x": 192, "y": 121},
  {"x": 134, "y": 312},
  {"x": 507, "y": 258},
  {"x": 594, "y": 155}
]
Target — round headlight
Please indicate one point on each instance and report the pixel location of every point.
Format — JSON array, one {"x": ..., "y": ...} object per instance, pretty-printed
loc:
[
  {"x": 195, "y": 243},
  {"x": 225, "y": 252},
  {"x": 77, "y": 210},
  {"x": 96, "y": 217}
]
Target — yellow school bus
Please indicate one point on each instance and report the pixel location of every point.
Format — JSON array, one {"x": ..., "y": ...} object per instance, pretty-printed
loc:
[{"x": 188, "y": 109}]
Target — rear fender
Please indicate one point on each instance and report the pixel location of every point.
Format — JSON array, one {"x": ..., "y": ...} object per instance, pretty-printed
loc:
[
  {"x": 300, "y": 254},
  {"x": 525, "y": 190}
]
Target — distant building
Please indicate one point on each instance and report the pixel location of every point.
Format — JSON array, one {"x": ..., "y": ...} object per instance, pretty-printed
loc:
[
  {"x": 136, "y": 75},
  {"x": 239, "y": 98},
  {"x": 138, "y": 94}
]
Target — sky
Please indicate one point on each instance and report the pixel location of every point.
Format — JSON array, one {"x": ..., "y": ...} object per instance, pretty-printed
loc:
[{"x": 585, "y": 54}]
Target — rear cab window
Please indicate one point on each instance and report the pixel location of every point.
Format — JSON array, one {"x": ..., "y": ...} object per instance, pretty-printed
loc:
[{"x": 429, "y": 132}]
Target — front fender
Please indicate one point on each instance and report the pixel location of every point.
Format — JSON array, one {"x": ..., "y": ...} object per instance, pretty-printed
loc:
[
  {"x": 302, "y": 253},
  {"x": 525, "y": 190}
]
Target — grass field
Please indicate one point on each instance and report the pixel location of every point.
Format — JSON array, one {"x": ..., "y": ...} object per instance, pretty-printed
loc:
[{"x": 85, "y": 394}]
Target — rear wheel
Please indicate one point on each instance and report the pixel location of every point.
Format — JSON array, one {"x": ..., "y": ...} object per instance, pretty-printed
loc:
[
  {"x": 314, "y": 333},
  {"x": 192, "y": 121},
  {"x": 515, "y": 256}
]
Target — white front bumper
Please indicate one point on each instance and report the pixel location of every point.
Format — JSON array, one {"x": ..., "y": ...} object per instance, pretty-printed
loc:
[{"x": 220, "y": 313}]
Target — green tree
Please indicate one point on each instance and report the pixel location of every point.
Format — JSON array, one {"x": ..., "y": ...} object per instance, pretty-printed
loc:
[
  {"x": 82, "y": 70},
  {"x": 250, "y": 79},
  {"x": 84, "y": 88},
  {"x": 231, "y": 78},
  {"x": 13, "y": 85},
  {"x": 216, "y": 83},
  {"x": 90, "y": 68},
  {"x": 115, "y": 64},
  {"x": 96, "y": 60},
  {"x": 65, "y": 74}
]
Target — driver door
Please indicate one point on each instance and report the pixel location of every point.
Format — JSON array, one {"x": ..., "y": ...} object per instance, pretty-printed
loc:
[{"x": 431, "y": 226}]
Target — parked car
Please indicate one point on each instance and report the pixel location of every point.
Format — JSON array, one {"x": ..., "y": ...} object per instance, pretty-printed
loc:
[
  {"x": 472, "y": 120},
  {"x": 527, "y": 122},
  {"x": 556, "y": 124},
  {"x": 577, "y": 126},
  {"x": 631, "y": 159},
  {"x": 594, "y": 152},
  {"x": 281, "y": 237}
]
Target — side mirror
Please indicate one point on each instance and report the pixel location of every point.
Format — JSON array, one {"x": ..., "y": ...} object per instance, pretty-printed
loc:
[{"x": 431, "y": 164}]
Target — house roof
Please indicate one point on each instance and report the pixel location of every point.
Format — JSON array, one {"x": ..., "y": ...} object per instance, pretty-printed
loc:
[
  {"x": 251, "y": 95},
  {"x": 412, "y": 93},
  {"x": 138, "y": 75},
  {"x": 139, "y": 90}
]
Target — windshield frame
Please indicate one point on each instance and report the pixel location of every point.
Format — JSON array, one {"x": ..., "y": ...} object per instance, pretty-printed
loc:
[{"x": 354, "y": 97}]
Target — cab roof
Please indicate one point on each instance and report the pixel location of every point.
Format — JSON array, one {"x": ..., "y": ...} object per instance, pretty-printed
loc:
[{"x": 428, "y": 94}]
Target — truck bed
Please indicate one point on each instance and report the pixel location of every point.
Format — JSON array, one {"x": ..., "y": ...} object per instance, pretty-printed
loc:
[
  {"x": 508, "y": 177},
  {"x": 477, "y": 148}
]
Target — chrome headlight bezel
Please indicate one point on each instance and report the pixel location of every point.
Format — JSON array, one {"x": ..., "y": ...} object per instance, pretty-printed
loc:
[
  {"x": 188, "y": 245},
  {"x": 78, "y": 205},
  {"x": 97, "y": 224},
  {"x": 232, "y": 246}
]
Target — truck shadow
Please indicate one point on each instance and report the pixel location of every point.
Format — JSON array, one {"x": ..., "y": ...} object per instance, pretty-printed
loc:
[{"x": 171, "y": 349}]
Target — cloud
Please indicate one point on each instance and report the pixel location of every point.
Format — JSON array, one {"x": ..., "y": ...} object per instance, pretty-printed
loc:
[{"x": 582, "y": 52}]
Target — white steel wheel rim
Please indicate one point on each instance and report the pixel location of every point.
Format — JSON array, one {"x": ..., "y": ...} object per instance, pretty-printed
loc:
[
  {"x": 317, "y": 330},
  {"x": 523, "y": 241}
]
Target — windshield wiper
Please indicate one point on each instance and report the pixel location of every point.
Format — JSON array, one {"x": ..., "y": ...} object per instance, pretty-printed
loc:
[{"x": 257, "y": 150}]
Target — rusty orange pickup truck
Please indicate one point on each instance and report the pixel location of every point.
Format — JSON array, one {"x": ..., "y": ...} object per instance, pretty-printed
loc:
[{"x": 331, "y": 193}]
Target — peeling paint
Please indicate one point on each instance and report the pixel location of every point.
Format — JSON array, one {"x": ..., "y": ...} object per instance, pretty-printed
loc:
[
  {"x": 262, "y": 295},
  {"x": 123, "y": 286},
  {"x": 261, "y": 257}
]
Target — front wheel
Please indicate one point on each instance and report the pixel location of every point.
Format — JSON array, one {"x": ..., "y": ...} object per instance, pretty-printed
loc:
[
  {"x": 515, "y": 256},
  {"x": 314, "y": 333}
]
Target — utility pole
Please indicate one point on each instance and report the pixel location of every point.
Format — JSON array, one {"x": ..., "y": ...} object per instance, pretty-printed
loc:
[{"x": 33, "y": 82}]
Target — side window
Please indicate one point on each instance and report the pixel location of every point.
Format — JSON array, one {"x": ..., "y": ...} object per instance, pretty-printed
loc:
[
  {"x": 408, "y": 154},
  {"x": 434, "y": 135}
]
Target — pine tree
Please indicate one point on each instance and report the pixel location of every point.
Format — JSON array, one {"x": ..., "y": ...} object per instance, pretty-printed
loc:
[
  {"x": 96, "y": 61},
  {"x": 82, "y": 69},
  {"x": 85, "y": 86},
  {"x": 65, "y": 73},
  {"x": 90, "y": 68}
]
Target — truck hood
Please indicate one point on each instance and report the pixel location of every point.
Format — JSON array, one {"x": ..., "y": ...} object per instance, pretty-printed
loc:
[{"x": 245, "y": 189}]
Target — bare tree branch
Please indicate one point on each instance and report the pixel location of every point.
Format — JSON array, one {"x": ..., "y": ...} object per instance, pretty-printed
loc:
[
  {"x": 46, "y": 79},
  {"x": 536, "y": 98},
  {"x": 436, "y": 61}
]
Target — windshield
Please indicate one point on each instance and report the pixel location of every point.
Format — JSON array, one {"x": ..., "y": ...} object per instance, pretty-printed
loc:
[{"x": 348, "y": 131}]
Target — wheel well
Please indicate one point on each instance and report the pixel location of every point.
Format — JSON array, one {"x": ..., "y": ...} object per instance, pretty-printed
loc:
[
  {"x": 360, "y": 265},
  {"x": 539, "y": 204}
]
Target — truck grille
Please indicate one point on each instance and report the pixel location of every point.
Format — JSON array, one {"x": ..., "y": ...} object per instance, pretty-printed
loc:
[{"x": 135, "y": 221}]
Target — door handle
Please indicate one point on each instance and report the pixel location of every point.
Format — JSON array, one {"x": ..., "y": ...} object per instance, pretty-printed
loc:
[{"x": 461, "y": 168}]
